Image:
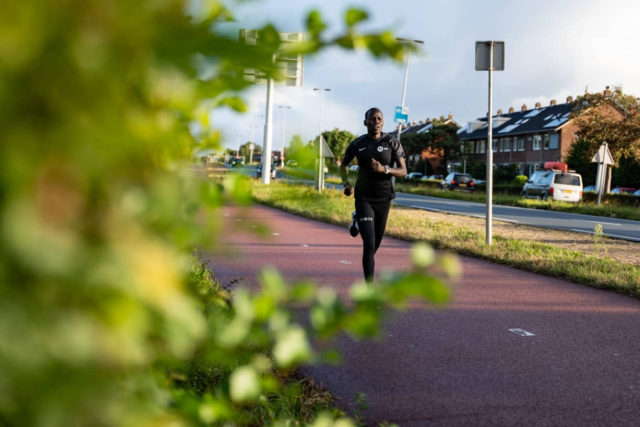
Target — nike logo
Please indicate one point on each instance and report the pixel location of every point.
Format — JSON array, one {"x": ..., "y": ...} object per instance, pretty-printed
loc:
[{"x": 362, "y": 149}]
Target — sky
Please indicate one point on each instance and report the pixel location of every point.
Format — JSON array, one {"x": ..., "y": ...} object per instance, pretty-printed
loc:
[{"x": 553, "y": 49}]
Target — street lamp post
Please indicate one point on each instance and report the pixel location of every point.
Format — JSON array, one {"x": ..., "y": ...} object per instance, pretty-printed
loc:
[
  {"x": 284, "y": 109},
  {"x": 320, "y": 176},
  {"x": 406, "y": 76}
]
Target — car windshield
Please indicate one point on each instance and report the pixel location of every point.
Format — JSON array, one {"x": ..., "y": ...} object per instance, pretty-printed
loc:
[
  {"x": 566, "y": 179},
  {"x": 463, "y": 178}
]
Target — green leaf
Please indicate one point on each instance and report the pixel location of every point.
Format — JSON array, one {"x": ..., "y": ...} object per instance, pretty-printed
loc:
[
  {"x": 292, "y": 347},
  {"x": 354, "y": 16},
  {"x": 315, "y": 23},
  {"x": 422, "y": 255},
  {"x": 244, "y": 384},
  {"x": 233, "y": 102}
]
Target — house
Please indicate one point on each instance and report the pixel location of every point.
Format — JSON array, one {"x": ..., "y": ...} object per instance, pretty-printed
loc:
[
  {"x": 433, "y": 156},
  {"x": 527, "y": 138}
]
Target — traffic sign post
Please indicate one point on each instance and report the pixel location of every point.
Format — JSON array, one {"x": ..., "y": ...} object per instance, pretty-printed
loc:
[
  {"x": 402, "y": 115},
  {"x": 291, "y": 68},
  {"x": 604, "y": 159},
  {"x": 489, "y": 57}
]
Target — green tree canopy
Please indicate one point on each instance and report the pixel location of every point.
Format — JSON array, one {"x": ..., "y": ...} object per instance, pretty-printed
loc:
[
  {"x": 245, "y": 149},
  {"x": 338, "y": 140},
  {"x": 442, "y": 138},
  {"x": 611, "y": 116}
]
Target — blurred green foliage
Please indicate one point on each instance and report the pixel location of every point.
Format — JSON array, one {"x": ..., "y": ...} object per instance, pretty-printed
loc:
[{"x": 105, "y": 318}]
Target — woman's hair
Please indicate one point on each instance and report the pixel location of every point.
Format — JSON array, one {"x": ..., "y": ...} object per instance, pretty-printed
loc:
[{"x": 370, "y": 111}]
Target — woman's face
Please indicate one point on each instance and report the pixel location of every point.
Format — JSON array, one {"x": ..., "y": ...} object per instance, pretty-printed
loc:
[{"x": 374, "y": 122}]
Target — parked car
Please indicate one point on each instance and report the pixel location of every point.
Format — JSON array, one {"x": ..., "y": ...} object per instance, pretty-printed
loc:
[
  {"x": 458, "y": 181},
  {"x": 623, "y": 190},
  {"x": 414, "y": 175},
  {"x": 433, "y": 178},
  {"x": 589, "y": 189},
  {"x": 636, "y": 193},
  {"x": 555, "y": 184},
  {"x": 259, "y": 171}
]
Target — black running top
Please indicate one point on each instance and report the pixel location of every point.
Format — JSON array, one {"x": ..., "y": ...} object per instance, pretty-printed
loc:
[{"x": 372, "y": 185}]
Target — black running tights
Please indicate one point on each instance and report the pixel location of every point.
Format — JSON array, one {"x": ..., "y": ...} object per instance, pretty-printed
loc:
[{"x": 372, "y": 220}]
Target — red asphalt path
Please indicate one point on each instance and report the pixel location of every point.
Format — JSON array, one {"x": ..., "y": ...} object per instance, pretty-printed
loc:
[{"x": 460, "y": 365}]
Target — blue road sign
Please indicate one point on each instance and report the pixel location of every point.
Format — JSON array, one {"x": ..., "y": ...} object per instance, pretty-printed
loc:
[{"x": 402, "y": 115}]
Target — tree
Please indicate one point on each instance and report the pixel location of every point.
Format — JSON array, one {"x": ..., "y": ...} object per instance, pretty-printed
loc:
[
  {"x": 579, "y": 159},
  {"x": 245, "y": 150},
  {"x": 611, "y": 116},
  {"x": 441, "y": 139},
  {"x": 446, "y": 140},
  {"x": 338, "y": 140}
]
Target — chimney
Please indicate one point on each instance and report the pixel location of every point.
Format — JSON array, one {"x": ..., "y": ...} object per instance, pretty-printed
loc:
[
  {"x": 524, "y": 107},
  {"x": 414, "y": 123},
  {"x": 553, "y": 102},
  {"x": 538, "y": 105},
  {"x": 420, "y": 122},
  {"x": 607, "y": 91},
  {"x": 569, "y": 99},
  {"x": 450, "y": 116},
  {"x": 499, "y": 112},
  {"x": 511, "y": 110}
]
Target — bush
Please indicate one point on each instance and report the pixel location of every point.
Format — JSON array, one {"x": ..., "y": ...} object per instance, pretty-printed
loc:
[
  {"x": 101, "y": 312},
  {"x": 520, "y": 180}
]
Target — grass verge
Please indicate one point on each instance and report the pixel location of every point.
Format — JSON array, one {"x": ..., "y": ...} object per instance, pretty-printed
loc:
[{"x": 415, "y": 225}]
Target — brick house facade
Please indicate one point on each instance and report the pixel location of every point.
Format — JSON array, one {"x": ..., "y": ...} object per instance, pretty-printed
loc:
[{"x": 526, "y": 138}]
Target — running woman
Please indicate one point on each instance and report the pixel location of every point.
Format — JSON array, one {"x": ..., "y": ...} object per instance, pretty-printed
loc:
[{"x": 376, "y": 153}]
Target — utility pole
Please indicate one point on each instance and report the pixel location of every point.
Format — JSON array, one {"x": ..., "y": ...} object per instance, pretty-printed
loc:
[{"x": 320, "y": 176}]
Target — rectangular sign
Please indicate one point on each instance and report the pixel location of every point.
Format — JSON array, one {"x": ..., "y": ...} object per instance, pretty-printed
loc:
[
  {"x": 402, "y": 115},
  {"x": 290, "y": 67},
  {"x": 483, "y": 54}
]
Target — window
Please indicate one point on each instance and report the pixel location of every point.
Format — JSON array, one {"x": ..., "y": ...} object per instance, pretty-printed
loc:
[
  {"x": 545, "y": 141},
  {"x": 505, "y": 145},
  {"x": 494, "y": 144},
  {"x": 480, "y": 147},
  {"x": 537, "y": 143},
  {"x": 553, "y": 141},
  {"x": 519, "y": 144}
]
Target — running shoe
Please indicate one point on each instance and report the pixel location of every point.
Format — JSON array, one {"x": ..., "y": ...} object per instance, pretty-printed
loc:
[{"x": 353, "y": 229}]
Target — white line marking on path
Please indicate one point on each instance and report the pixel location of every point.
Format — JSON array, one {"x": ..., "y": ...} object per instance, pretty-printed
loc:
[
  {"x": 607, "y": 223},
  {"x": 522, "y": 332},
  {"x": 275, "y": 234},
  {"x": 304, "y": 245},
  {"x": 513, "y": 221},
  {"x": 342, "y": 261},
  {"x": 617, "y": 236},
  {"x": 580, "y": 231},
  {"x": 425, "y": 208}
]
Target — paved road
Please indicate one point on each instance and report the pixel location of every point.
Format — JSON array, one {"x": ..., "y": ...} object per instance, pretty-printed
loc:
[
  {"x": 612, "y": 227},
  {"x": 571, "y": 359}
]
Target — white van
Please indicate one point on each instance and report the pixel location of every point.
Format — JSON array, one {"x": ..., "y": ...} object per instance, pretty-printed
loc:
[{"x": 556, "y": 184}]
